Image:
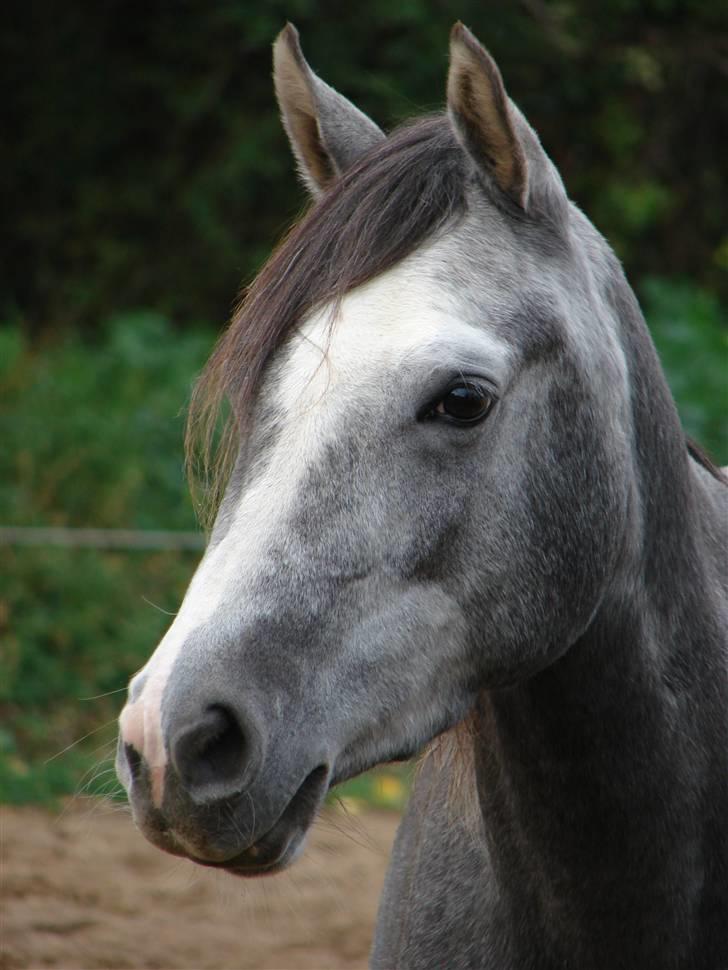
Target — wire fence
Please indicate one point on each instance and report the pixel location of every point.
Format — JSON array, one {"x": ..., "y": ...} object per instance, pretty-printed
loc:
[{"x": 157, "y": 539}]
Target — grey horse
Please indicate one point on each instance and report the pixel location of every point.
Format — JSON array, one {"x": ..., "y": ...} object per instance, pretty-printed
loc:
[{"x": 461, "y": 516}]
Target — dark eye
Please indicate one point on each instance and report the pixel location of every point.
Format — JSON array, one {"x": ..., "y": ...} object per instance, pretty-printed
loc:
[{"x": 464, "y": 403}]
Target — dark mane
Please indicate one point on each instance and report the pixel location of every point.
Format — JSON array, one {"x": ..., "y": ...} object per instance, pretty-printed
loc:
[
  {"x": 704, "y": 459},
  {"x": 378, "y": 212}
]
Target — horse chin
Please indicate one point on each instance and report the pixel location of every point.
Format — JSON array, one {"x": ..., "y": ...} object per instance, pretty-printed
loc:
[
  {"x": 284, "y": 842},
  {"x": 266, "y": 857}
]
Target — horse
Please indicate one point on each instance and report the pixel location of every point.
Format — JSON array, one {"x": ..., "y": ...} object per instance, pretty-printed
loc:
[{"x": 459, "y": 516}]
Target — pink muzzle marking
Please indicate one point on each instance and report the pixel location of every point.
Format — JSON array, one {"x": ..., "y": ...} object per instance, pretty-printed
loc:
[{"x": 140, "y": 726}]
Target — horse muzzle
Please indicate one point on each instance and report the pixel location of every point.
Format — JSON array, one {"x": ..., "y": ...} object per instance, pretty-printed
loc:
[{"x": 207, "y": 791}]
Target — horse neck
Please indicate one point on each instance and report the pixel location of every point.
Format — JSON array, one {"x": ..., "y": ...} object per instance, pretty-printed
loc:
[{"x": 603, "y": 777}]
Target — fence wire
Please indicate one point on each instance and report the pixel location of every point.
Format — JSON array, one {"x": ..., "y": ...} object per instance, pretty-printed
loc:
[{"x": 158, "y": 539}]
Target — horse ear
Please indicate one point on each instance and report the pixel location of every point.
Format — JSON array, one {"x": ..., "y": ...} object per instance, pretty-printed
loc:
[
  {"x": 327, "y": 132},
  {"x": 483, "y": 116}
]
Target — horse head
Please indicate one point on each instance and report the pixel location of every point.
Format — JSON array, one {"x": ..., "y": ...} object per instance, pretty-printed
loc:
[{"x": 434, "y": 481}]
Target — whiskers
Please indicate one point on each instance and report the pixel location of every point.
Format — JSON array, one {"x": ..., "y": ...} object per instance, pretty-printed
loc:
[
  {"x": 160, "y": 608},
  {"x": 108, "y": 693},
  {"x": 98, "y": 789},
  {"x": 337, "y": 818},
  {"x": 79, "y": 740},
  {"x": 98, "y": 786}
]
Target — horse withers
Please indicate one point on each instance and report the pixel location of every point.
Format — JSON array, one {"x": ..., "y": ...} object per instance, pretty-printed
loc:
[{"x": 461, "y": 513}]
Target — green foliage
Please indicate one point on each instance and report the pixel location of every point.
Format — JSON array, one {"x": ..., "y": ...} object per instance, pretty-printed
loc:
[
  {"x": 690, "y": 330},
  {"x": 74, "y": 624},
  {"x": 92, "y": 435},
  {"x": 144, "y": 163}
]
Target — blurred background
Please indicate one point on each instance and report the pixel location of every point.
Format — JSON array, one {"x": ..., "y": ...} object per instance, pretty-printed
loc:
[{"x": 145, "y": 177}]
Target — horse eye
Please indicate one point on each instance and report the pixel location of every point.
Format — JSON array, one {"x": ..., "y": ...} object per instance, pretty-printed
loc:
[{"x": 465, "y": 403}]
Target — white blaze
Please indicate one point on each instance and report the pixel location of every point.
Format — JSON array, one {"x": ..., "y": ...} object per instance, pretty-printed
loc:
[{"x": 326, "y": 367}]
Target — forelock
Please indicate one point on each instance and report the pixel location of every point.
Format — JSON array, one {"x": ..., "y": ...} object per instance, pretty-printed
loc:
[{"x": 391, "y": 201}]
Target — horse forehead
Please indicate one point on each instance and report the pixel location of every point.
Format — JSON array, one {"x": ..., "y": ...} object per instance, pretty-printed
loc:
[{"x": 403, "y": 318}]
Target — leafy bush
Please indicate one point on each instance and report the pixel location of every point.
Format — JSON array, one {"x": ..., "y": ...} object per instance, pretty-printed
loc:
[
  {"x": 91, "y": 437},
  {"x": 91, "y": 431},
  {"x": 168, "y": 162},
  {"x": 690, "y": 329}
]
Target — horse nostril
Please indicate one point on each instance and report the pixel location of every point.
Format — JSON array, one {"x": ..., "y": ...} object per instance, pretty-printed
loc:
[
  {"x": 211, "y": 751},
  {"x": 133, "y": 760}
]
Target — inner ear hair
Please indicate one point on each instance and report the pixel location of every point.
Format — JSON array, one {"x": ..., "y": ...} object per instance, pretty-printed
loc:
[
  {"x": 482, "y": 117},
  {"x": 327, "y": 132},
  {"x": 299, "y": 110}
]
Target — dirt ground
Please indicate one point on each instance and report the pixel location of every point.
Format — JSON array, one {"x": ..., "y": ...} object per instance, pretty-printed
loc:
[{"x": 82, "y": 889}]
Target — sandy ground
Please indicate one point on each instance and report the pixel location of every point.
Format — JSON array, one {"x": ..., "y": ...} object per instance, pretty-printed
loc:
[{"x": 82, "y": 889}]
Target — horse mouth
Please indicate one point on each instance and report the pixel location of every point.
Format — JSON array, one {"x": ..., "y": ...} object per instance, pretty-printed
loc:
[{"x": 281, "y": 844}]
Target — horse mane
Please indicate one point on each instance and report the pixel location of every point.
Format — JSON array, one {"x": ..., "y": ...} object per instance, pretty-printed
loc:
[
  {"x": 703, "y": 458},
  {"x": 379, "y": 211},
  {"x": 452, "y": 754}
]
